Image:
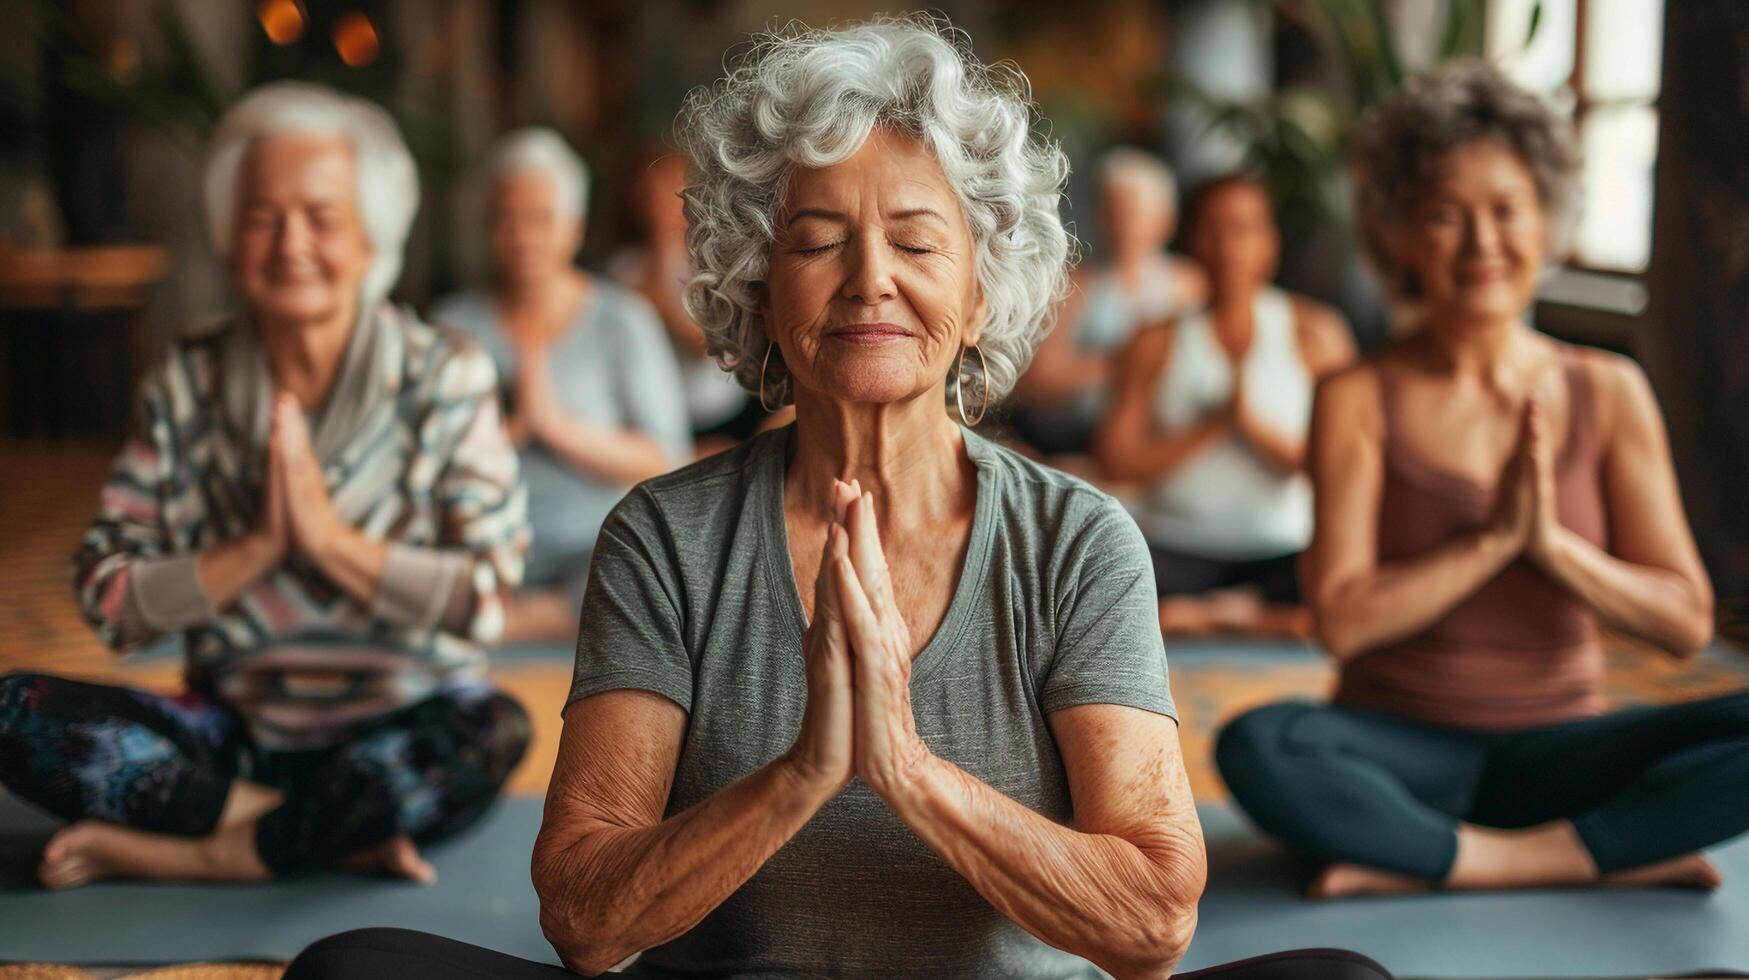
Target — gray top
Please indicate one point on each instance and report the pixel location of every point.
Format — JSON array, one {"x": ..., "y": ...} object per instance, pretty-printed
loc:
[
  {"x": 692, "y": 596},
  {"x": 613, "y": 366}
]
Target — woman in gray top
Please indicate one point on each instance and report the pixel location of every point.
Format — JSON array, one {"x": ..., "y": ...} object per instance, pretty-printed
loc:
[
  {"x": 868, "y": 695},
  {"x": 596, "y": 401}
]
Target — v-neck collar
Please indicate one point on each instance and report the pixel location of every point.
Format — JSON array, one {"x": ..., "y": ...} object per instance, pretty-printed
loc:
[{"x": 969, "y": 586}]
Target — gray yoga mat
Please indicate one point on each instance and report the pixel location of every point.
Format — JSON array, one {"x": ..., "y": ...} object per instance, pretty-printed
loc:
[{"x": 1253, "y": 906}]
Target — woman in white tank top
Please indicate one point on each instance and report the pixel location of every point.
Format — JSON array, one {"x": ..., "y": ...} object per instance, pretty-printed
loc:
[
  {"x": 1210, "y": 417},
  {"x": 1063, "y": 395}
]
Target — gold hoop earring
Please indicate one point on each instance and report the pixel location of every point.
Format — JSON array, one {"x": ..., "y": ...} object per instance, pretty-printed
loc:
[
  {"x": 959, "y": 386},
  {"x": 763, "y": 366}
]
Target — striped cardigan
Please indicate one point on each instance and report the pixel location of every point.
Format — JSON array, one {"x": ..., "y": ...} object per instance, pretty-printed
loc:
[{"x": 428, "y": 464}]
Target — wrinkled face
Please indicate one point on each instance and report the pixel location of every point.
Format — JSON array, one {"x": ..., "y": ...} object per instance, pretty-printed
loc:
[
  {"x": 1235, "y": 238},
  {"x": 1476, "y": 239},
  {"x": 1136, "y": 217},
  {"x": 872, "y": 291},
  {"x": 531, "y": 240},
  {"x": 300, "y": 249}
]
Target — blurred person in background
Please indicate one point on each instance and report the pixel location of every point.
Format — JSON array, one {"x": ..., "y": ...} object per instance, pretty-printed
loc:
[
  {"x": 1062, "y": 397},
  {"x": 1210, "y": 418},
  {"x": 320, "y": 498},
  {"x": 719, "y": 409},
  {"x": 1487, "y": 498},
  {"x": 594, "y": 394}
]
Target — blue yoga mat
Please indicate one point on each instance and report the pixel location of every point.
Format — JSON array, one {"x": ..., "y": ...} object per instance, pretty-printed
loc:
[{"x": 1253, "y": 906}]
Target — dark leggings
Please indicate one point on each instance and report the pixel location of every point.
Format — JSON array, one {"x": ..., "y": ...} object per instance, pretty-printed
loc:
[
  {"x": 165, "y": 764},
  {"x": 365, "y": 954},
  {"x": 1341, "y": 784}
]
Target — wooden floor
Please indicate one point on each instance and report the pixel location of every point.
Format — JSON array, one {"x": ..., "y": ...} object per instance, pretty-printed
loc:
[{"x": 47, "y": 493}]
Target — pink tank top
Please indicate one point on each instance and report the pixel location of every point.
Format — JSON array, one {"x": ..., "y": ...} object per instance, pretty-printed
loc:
[{"x": 1521, "y": 650}]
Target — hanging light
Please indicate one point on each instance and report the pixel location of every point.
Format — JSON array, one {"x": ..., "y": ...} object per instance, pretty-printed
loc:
[
  {"x": 283, "y": 20},
  {"x": 355, "y": 37}
]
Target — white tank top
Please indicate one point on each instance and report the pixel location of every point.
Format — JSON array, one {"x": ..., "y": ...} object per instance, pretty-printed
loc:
[{"x": 1226, "y": 502}]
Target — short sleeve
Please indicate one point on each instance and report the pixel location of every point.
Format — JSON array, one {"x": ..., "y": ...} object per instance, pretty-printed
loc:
[
  {"x": 1109, "y": 649},
  {"x": 630, "y": 633}
]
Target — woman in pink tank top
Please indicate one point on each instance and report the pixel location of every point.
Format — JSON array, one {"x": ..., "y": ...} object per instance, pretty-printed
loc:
[{"x": 1486, "y": 498}]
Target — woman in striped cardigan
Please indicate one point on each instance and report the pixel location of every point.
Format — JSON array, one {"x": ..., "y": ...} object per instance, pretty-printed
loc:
[{"x": 320, "y": 498}]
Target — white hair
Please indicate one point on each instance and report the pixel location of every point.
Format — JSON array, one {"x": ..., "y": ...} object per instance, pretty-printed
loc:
[
  {"x": 1126, "y": 164},
  {"x": 388, "y": 181},
  {"x": 803, "y": 97},
  {"x": 537, "y": 149}
]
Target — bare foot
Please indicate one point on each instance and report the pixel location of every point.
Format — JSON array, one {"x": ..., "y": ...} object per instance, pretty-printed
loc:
[
  {"x": 91, "y": 850},
  {"x": 1688, "y": 871},
  {"x": 396, "y": 856},
  {"x": 1341, "y": 880}
]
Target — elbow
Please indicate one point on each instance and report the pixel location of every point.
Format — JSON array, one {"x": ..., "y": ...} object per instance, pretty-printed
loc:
[
  {"x": 1152, "y": 952},
  {"x": 1695, "y": 634},
  {"x": 587, "y": 941},
  {"x": 1337, "y": 638},
  {"x": 585, "y": 946}
]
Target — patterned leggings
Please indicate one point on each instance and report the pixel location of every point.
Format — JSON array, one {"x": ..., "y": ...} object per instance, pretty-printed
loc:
[{"x": 166, "y": 763}]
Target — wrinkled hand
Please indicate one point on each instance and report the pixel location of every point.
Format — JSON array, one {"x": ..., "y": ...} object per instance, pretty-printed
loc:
[
  {"x": 310, "y": 521},
  {"x": 822, "y": 750},
  {"x": 888, "y": 750},
  {"x": 1545, "y": 519},
  {"x": 273, "y": 528},
  {"x": 1524, "y": 509},
  {"x": 537, "y": 404}
]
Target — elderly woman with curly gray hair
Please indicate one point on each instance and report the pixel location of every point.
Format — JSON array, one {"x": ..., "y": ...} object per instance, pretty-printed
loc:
[
  {"x": 1487, "y": 498},
  {"x": 868, "y": 695}
]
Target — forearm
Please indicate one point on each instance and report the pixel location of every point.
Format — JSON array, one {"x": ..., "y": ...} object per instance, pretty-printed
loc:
[
  {"x": 225, "y": 570},
  {"x": 1152, "y": 457},
  {"x": 622, "y": 457},
  {"x": 617, "y": 891},
  {"x": 1128, "y": 907},
  {"x": 352, "y": 561},
  {"x": 1282, "y": 452},
  {"x": 1402, "y": 598},
  {"x": 1653, "y": 604}
]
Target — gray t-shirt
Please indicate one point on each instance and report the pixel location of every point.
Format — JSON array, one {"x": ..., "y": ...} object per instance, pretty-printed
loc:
[
  {"x": 613, "y": 366},
  {"x": 692, "y": 596}
]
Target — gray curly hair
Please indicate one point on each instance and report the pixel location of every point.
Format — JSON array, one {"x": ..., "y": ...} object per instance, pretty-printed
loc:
[
  {"x": 803, "y": 97},
  {"x": 1403, "y": 142}
]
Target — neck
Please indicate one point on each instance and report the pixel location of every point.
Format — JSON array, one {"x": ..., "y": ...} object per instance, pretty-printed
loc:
[
  {"x": 1231, "y": 311},
  {"x": 543, "y": 296},
  {"x": 1466, "y": 346},
  {"x": 304, "y": 356},
  {"x": 908, "y": 453},
  {"x": 1132, "y": 266}
]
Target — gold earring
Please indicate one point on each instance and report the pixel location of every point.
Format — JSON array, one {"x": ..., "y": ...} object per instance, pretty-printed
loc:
[
  {"x": 959, "y": 387},
  {"x": 763, "y": 366}
]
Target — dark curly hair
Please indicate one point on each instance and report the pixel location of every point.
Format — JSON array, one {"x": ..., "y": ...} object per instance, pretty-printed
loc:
[{"x": 1403, "y": 142}]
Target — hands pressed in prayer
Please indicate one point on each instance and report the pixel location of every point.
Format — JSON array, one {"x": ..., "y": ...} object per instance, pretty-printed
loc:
[
  {"x": 888, "y": 750},
  {"x": 1525, "y": 509},
  {"x": 823, "y": 749},
  {"x": 537, "y": 404},
  {"x": 312, "y": 527},
  {"x": 295, "y": 477}
]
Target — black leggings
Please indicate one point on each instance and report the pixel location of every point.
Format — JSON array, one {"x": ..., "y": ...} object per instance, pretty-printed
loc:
[
  {"x": 365, "y": 954},
  {"x": 1341, "y": 784},
  {"x": 165, "y": 764}
]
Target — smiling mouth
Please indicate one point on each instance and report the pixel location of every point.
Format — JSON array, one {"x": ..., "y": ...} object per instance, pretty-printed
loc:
[{"x": 869, "y": 333}]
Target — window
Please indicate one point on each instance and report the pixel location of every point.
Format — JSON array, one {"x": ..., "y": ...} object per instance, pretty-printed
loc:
[{"x": 1602, "y": 59}]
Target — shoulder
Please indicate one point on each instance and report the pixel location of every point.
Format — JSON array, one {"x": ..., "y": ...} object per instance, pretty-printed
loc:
[
  {"x": 1350, "y": 397},
  {"x": 1620, "y": 389},
  {"x": 1322, "y": 330},
  {"x": 184, "y": 376},
  {"x": 707, "y": 498},
  {"x": 1067, "y": 517},
  {"x": 448, "y": 363},
  {"x": 624, "y": 305},
  {"x": 468, "y": 312}
]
